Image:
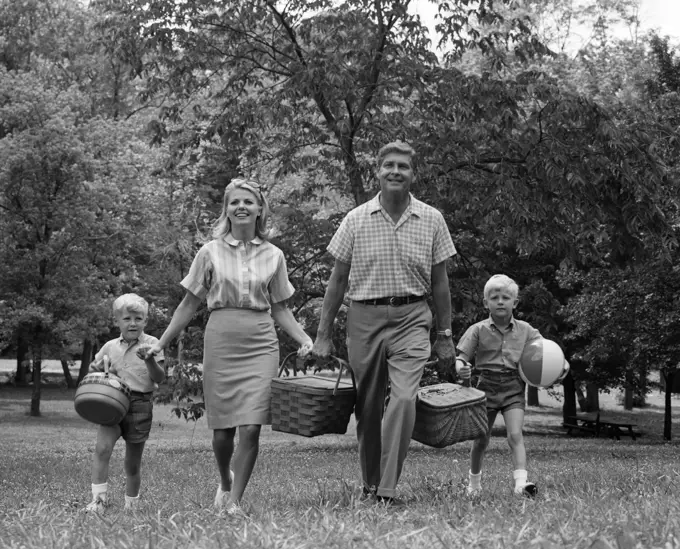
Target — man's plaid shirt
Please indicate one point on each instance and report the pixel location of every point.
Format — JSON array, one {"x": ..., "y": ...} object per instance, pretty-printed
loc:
[{"x": 389, "y": 259}]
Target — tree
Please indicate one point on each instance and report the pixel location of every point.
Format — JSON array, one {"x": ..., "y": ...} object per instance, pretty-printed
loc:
[
  {"x": 533, "y": 172},
  {"x": 630, "y": 319},
  {"x": 74, "y": 191}
]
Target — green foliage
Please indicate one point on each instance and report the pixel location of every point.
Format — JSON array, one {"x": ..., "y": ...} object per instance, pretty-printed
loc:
[
  {"x": 629, "y": 314},
  {"x": 668, "y": 76},
  {"x": 542, "y": 164},
  {"x": 183, "y": 390}
]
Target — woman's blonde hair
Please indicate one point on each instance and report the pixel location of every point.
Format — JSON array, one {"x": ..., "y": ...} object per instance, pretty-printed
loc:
[{"x": 222, "y": 226}]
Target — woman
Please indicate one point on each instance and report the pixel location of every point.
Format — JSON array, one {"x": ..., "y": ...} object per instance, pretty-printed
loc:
[{"x": 243, "y": 277}]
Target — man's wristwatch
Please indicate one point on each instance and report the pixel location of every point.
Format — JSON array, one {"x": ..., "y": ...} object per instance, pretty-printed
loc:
[{"x": 445, "y": 333}]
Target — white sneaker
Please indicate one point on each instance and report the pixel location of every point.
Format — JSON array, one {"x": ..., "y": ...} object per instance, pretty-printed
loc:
[
  {"x": 473, "y": 492},
  {"x": 96, "y": 506},
  {"x": 529, "y": 490},
  {"x": 220, "y": 495},
  {"x": 131, "y": 505}
]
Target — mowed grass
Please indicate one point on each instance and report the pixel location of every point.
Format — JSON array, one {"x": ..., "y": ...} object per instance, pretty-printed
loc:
[{"x": 305, "y": 493}]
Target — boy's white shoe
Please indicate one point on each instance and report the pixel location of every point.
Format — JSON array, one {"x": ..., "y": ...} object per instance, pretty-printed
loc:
[
  {"x": 131, "y": 504},
  {"x": 528, "y": 489},
  {"x": 471, "y": 491},
  {"x": 96, "y": 506},
  {"x": 220, "y": 495}
]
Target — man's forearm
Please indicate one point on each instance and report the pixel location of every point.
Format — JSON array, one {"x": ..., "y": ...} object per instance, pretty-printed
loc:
[
  {"x": 441, "y": 298},
  {"x": 331, "y": 305}
]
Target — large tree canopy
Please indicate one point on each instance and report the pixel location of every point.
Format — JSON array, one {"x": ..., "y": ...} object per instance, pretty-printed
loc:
[{"x": 547, "y": 164}]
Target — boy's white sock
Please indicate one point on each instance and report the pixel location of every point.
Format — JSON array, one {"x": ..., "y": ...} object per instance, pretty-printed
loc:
[
  {"x": 475, "y": 480},
  {"x": 520, "y": 476},
  {"x": 99, "y": 492}
]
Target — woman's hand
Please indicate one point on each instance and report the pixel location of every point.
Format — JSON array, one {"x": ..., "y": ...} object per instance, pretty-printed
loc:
[
  {"x": 305, "y": 348},
  {"x": 145, "y": 352}
]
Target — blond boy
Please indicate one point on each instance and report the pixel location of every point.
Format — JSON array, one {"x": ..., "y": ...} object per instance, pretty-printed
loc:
[
  {"x": 496, "y": 345},
  {"x": 126, "y": 357}
]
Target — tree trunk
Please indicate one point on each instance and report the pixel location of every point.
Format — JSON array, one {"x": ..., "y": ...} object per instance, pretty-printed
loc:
[
  {"x": 35, "y": 396},
  {"x": 582, "y": 401},
  {"x": 628, "y": 396},
  {"x": 85, "y": 358},
  {"x": 592, "y": 397},
  {"x": 667, "y": 415},
  {"x": 67, "y": 374},
  {"x": 569, "y": 388},
  {"x": 532, "y": 396},
  {"x": 21, "y": 377},
  {"x": 644, "y": 378}
]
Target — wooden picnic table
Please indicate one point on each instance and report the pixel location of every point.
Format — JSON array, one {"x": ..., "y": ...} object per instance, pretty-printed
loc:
[{"x": 594, "y": 424}]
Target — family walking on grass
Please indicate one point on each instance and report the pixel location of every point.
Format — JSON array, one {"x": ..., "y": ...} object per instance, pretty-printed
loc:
[{"x": 390, "y": 254}]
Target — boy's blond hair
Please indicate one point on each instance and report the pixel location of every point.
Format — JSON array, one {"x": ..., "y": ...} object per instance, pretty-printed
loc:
[
  {"x": 130, "y": 302},
  {"x": 500, "y": 281}
]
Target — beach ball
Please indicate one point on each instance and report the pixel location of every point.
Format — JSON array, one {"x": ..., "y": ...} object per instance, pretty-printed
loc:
[{"x": 542, "y": 363}]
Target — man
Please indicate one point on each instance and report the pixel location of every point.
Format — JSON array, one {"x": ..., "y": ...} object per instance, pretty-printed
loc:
[{"x": 391, "y": 252}]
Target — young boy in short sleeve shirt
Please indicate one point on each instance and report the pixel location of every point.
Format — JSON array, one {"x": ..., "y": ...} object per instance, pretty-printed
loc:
[
  {"x": 496, "y": 345},
  {"x": 125, "y": 357}
]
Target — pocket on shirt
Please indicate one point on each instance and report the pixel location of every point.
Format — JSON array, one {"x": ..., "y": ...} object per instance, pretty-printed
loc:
[{"x": 416, "y": 251}]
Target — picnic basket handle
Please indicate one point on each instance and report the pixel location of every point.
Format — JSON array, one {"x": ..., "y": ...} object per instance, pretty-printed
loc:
[
  {"x": 341, "y": 364},
  {"x": 283, "y": 364},
  {"x": 465, "y": 382}
]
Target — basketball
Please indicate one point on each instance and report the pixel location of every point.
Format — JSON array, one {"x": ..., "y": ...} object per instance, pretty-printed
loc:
[{"x": 542, "y": 363}]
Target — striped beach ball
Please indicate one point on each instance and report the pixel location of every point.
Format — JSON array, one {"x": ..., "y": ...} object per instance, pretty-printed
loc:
[{"x": 542, "y": 363}]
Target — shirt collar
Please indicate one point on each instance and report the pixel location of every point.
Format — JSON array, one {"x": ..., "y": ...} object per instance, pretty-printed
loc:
[
  {"x": 511, "y": 324},
  {"x": 229, "y": 239},
  {"x": 415, "y": 206},
  {"x": 124, "y": 341}
]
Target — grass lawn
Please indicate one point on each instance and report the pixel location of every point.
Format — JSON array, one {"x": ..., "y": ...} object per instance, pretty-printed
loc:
[{"x": 595, "y": 493}]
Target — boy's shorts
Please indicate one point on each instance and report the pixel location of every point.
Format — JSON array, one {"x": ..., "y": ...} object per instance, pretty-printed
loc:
[
  {"x": 505, "y": 390},
  {"x": 136, "y": 425}
]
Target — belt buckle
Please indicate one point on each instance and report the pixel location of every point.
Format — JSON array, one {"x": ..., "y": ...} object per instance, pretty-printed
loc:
[{"x": 394, "y": 301}]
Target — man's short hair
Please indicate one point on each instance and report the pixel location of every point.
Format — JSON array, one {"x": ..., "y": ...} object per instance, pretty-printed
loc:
[
  {"x": 398, "y": 147},
  {"x": 500, "y": 281},
  {"x": 130, "y": 302}
]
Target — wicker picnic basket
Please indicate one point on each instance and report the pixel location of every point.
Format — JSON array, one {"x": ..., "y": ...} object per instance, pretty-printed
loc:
[
  {"x": 448, "y": 413},
  {"x": 311, "y": 405}
]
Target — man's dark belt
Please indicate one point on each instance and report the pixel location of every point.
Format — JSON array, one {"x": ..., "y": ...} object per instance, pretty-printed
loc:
[{"x": 393, "y": 301}]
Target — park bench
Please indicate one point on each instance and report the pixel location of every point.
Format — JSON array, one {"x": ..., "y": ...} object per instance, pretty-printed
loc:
[
  {"x": 596, "y": 425},
  {"x": 571, "y": 423}
]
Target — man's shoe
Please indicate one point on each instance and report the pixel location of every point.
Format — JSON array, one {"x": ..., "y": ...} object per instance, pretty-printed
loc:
[
  {"x": 389, "y": 501},
  {"x": 367, "y": 493}
]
